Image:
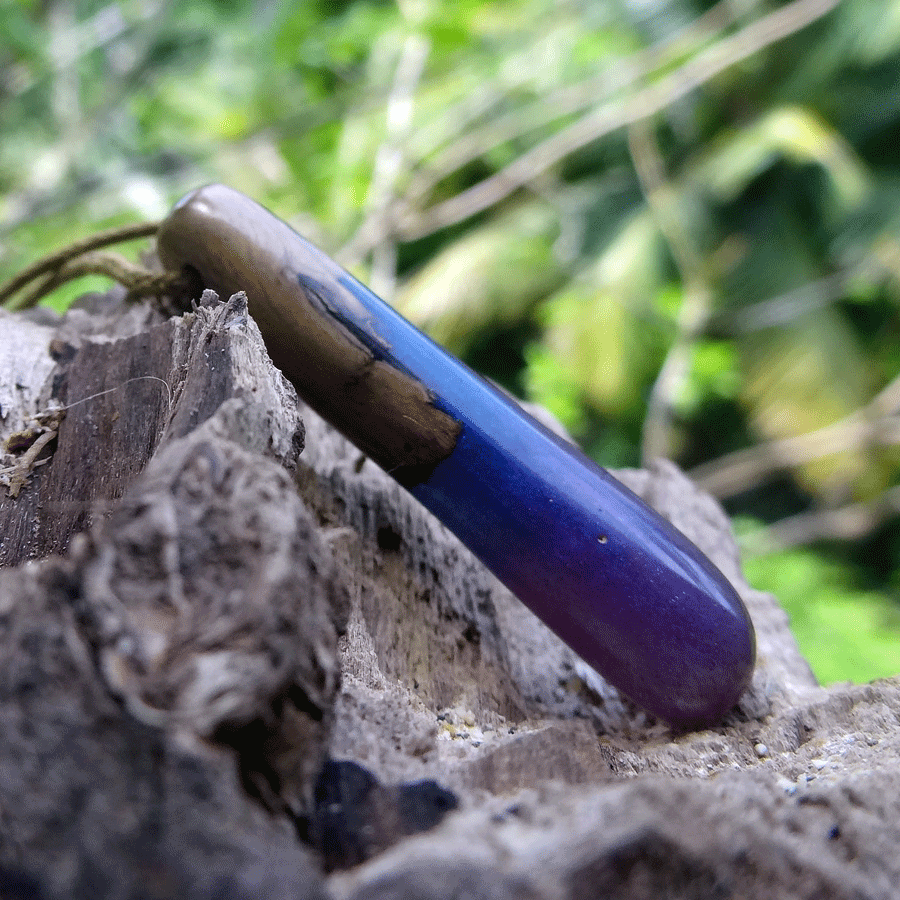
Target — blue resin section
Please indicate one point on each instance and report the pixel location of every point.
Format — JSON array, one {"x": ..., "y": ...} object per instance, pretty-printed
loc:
[{"x": 619, "y": 584}]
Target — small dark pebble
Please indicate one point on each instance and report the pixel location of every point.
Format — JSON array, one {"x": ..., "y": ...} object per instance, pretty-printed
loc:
[{"x": 356, "y": 817}]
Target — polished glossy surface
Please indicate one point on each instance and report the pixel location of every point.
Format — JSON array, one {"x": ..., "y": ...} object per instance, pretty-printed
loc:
[{"x": 627, "y": 591}]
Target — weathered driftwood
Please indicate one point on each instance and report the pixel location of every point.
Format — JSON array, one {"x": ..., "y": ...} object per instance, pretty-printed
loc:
[{"x": 212, "y": 614}]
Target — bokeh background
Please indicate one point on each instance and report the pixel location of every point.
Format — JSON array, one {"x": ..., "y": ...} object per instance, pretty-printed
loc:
[{"x": 675, "y": 224}]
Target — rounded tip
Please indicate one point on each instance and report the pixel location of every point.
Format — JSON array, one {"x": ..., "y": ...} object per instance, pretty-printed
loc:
[{"x": 714, "y": 663}]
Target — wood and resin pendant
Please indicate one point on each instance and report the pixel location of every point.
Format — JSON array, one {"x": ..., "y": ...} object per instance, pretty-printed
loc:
[{"x": 618, "y": 583}]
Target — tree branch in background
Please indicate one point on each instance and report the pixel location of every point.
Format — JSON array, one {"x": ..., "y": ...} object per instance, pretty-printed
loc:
[
  {"x": 614, "y": 115},
  {"x": 389, "y": 162},
  {"x": 787, "y": 307},
  {"x": 466, "y": 146},
  {"x": 846, "y": 523},
  {"x": 876, "y": 424},
  {"x": 656, "y": 439}
]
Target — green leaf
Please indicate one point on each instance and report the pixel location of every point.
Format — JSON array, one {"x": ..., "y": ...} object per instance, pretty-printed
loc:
[{"x": 791, "y": 133}]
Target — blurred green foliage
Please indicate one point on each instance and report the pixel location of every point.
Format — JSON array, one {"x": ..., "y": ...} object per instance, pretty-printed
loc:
[
  {"x": 676, "y": 224},
  {"x": 847, "y": 632}
]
